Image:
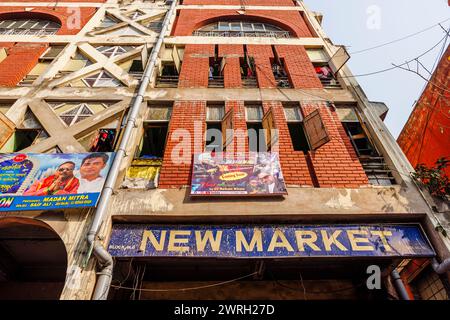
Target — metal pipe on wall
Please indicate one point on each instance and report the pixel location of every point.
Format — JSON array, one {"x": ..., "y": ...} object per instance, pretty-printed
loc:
[
  {"x": 102, "y": 255},
  {"x": 399, "y": 285}
]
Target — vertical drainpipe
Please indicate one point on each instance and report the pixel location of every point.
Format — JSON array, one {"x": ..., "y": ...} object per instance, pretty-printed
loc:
[
  {"x": 104, "y": 258},
  {"x": 399, "y": 285}
]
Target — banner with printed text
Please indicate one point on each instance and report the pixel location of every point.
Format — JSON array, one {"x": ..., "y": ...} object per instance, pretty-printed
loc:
[
  {"x": 252, "y": 174},
  {"x": 35, "y": 181}
]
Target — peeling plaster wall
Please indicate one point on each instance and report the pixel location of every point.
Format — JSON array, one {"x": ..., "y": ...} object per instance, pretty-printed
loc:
[{"x": 298, "y": 202}]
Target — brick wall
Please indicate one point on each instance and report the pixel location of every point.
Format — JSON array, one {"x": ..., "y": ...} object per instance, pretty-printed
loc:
[
  {"x": 239, "y": 2},
  {"x": 184, "y": 116},
  {"x": 190, "y": 20},
  {"x": 426, "y": 136},
  {"x": 298, "y": 67},
  {"x": 293, "y": 163},
  {"x": 262, "y": 56},
  {"x": 240, "y": 139},
  {"x": 63, "y": 15},
  {"x": 22, "y": 57},
  {"x": 232, "y": 69},
  {"x": 195, "y": 68},
  {"x": 335, "y": 163}
]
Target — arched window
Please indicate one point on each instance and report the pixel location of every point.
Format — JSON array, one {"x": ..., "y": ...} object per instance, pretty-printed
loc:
[
  {"x": 241, "y": 29},
  {"x": 28, "y": 27}
]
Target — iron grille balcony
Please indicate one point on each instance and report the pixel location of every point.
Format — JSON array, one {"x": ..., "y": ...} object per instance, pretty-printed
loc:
[
  {"x": 26, "y": 31},
  {"x": 255, "y": 34},
  {"x": 249, "y": 82},
  {"x": 283, "y": 82},
  {"x": 330, "y": 83},
  {"x": 377, "y": 170},
  {"x": 216, "y": 82},
  {"x": 167, "y": 81}
]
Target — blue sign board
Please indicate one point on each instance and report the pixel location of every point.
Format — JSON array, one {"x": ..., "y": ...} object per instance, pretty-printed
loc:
[
  {"x": 264, "y": 241},
  {"x": 35, "y": 181}
]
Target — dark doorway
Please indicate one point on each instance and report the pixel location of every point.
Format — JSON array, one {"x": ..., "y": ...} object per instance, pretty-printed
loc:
[{"x": 33, "y": 260}]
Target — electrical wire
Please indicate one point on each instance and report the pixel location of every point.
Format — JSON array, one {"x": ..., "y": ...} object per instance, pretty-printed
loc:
[
  {"x": 400, "y": 39},
  {"x": 312, "y": 291},
  {"x": 186, "y": 289}
]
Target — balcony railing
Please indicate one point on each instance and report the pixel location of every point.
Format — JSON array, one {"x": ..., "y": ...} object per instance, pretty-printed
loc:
[
  {"x": 26, "y": 32},
  {"x": 330, "y": 83},
  {"x": 255, "y": 34},
  {"x": 28, "y": 81},
  {"x": 216, "y": 82},
  {"x": 249, "y": 82},
  {"x": 377, "y": 170},
  {"x": 283, "y": 82},
  {"x": 167, "y": 81}
]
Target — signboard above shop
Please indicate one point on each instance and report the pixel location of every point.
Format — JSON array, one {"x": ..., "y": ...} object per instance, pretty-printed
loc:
[
  {"x": 283, "y": 241},
  {"x": 252, "y": 174},
  {"x": 35, "y": 181}
]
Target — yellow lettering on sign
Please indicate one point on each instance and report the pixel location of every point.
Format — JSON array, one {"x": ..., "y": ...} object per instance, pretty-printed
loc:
[
  {"x": 174, "y": 241},
  {"x": 383, "y": 235},
  {"x": 306, "y": 237},
  {"x": 231, "y": 176},
  {"x": 256, "y": 241},
  {"x": 328, "y": 241},
  {"x": 208, "y": 237},
  {"x": 275, "y": 243},
  {"x": 355, "y": 241},
  {"x": 148, "y": 235}
]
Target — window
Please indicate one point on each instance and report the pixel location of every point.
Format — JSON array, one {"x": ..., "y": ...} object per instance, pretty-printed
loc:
[
  {"x": 28, "y": 133},
  {"x": 326, "y": 76},
  {"x": 294, "y": 121},
  {"x": 372, "y": 161},
  {"x": 108, "y": 22},
  {"x": 256, "y": 136},
  {"x": 241, "y": 29},
  {"x": 73, "y": 112},
  {"x": 77, "y": 62},
  {"x": 43, "y": 63},
  {"x": 214, "y": 116},
  {"x": 102, "y": 79},
  {"x": 133, "y": 67},
  {"x": 51, "y": 53},
  {"x": 125, "y": 31},
  {"x": 112, "y": 51},
  {"x": 146, "y": 166},
  {"x": 135, "y": 15},
  {"x": 29, "y": 27},
  {"x": 156, "y": 128},
  {"x": 154, "y": 24},
  {"x": 215, "y": 76}
]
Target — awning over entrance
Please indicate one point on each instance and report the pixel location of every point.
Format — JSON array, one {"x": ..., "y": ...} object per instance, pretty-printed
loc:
[{"x": 270, "y": 241}]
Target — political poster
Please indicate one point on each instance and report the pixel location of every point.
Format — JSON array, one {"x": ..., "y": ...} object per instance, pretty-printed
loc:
[
  {"x": 32, "y": 181},
  {"x": 253, "y": 174}
]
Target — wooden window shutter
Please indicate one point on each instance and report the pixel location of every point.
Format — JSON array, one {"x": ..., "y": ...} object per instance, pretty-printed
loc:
[
  {"x": 7, "y": 129},
  {"x": 227, "y": 123},
  {"x": 176, "y": 59},
  {"x": 316, "y": 130},
  {"x": 268, "y": 124}
]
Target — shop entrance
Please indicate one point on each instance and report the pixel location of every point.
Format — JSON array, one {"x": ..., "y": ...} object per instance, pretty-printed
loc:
[
  {"x": 33, "y": 260},
  {"x": 243, "y": 279}
]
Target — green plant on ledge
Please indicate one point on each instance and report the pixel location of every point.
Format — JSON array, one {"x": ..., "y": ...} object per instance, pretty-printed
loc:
[{"x": 434, "y": 178}]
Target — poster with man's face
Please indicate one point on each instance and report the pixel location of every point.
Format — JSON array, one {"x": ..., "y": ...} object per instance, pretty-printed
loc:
[
  {"x": 33, "y": 181},
  {"x": 222, "y": 174}
]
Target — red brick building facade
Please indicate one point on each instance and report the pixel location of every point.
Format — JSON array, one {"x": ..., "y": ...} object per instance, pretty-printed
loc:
[
  {"x": 333, "y": 165},
  {"x": 22, "y": 57},
  {"x": 426, "y": 136}
]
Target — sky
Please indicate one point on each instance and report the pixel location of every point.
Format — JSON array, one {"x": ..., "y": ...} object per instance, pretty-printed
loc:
[{"x": 361, "y": 24}]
